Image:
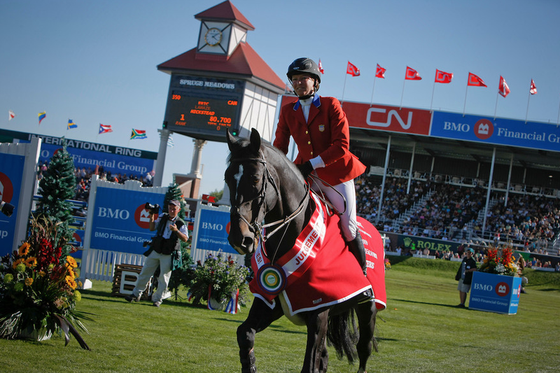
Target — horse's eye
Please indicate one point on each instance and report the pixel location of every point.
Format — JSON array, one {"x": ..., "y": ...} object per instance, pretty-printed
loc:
[{"x": 256, "y": 180}]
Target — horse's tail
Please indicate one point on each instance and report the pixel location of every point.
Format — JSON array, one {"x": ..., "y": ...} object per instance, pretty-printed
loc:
[{"x": 343, "y": 335}]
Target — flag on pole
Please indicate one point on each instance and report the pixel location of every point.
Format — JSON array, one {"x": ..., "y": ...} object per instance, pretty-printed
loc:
[
  {"x": 71, "y": 124},
  {"x": 138, "y": 134},
  {"x": 380, "y": 72},
  {"x": 475, "y": 81},
  {"x": 321, "y": 67},
  {"x": 42, "y": 116},
  {"x": 533, "y": 89},
  {"x": 443, "y": 77},
  {"x": 412, "y": 74},
  {"x": 503, "y": 89},
  {"x": 352, "y": 69},
  {"x": 104, "y": 129},
  {"x": 11, "y": 115}
]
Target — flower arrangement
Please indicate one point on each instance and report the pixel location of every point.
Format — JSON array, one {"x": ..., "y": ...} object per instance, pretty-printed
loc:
[
  {"x": 221, "y": 278},
  {"x": 387, "y": 264},
  {"x": 38, "y": 293},
  {"x": 500, "y": 263}
]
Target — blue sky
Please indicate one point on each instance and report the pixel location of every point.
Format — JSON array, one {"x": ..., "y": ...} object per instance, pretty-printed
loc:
[{"x": 95, "y": 62}]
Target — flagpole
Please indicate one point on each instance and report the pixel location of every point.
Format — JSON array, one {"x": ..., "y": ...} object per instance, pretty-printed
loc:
[
  {"x": 465, "y": 104},
  {"x": 496, "y": 107},
  {"x": 433, "y": 90},
  {"x": 343, "y": 88},
  {"x": 373, "y": 90},
  {"x": 527, "y": 113},
  {"x": 402, "y": 94},
  {"x": 558, "y": 118}
]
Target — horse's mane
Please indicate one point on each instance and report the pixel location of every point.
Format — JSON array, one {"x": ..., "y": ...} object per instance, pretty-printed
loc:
[{"x": 244, "y": 142}]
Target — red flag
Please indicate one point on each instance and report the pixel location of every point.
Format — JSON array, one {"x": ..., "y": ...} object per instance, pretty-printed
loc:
[
  {"x": 321, "y": 67},
  {"x": 533, "y": 89},
  {"x": 443, "y": 77},
  {"x": 352, "y": 70},
  {"x": 412, "y": 74},
  {"x": 474, "y": 80},
  {"x": 503, "y": 89},
  {"x": 380, "y": 72}
]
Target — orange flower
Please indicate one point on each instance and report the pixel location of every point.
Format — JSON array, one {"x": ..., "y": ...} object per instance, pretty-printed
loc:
[
  {"x": 70, "y": 281},
  {"x": 71, "y": 261},
  {"x": 29, "y": 281},
  {"x": 31, "y": 262},
  {"x": 18, "y": 262},
  {"x": 24, "y": 249}
]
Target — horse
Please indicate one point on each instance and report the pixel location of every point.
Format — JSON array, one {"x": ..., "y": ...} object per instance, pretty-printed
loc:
[{"x": 265, "y": 186}]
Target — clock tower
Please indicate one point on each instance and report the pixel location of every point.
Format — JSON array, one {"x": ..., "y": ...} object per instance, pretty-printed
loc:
[{"x": 220, "y": 84}]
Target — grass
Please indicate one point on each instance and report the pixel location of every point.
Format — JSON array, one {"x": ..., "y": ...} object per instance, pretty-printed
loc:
[{"x": 421, "y": 331}]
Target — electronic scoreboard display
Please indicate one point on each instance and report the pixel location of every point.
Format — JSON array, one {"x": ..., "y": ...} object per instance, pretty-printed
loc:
[{"x": 203, "y": 107}]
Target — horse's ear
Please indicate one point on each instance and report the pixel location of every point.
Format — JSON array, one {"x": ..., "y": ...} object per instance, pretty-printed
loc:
[
  {"x": 255, "y": 140},
  {"x": 230, "y": 140}
]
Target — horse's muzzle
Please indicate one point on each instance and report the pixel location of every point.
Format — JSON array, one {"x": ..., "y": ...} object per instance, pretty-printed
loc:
[{"x": 244, "y": 244}]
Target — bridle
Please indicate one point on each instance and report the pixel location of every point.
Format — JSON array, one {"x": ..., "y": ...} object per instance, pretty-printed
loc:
[{"x": 256, "y": 227}]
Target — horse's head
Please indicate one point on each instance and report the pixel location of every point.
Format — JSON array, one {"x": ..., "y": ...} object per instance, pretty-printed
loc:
[{"x": 247, "y": 178}]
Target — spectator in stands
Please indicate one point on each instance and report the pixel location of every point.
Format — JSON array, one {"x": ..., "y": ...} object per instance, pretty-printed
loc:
[{"x": 464, "y": 276}]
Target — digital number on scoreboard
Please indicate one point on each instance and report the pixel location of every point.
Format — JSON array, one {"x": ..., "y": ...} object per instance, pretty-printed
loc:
[{"x": 203, "y": 107}]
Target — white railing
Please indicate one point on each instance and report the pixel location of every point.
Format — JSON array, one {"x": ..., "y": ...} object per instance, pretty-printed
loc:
[{"x": 100, "y": 264}]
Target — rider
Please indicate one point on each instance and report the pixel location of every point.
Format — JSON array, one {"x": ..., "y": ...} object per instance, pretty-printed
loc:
[{"x": 320, "y": 129}]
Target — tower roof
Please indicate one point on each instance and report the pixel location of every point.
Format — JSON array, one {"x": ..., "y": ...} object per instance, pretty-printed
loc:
[
  {"x": 244, "y": 61},
  {"x": 225, "y": 11}
]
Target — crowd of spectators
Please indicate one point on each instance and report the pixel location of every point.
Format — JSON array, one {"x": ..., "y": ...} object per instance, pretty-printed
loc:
[
  {"x": 83, "y": 179},
  {"x": 453, "y": 212}
]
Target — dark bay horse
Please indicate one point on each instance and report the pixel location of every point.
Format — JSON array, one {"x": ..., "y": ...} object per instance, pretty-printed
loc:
[{"x": 266, "y": 187}]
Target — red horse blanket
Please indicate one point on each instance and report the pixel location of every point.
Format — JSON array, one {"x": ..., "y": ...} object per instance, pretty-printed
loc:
[{"x": 319, "y": 270}]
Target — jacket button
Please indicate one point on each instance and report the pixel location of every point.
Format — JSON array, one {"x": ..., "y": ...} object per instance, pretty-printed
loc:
[{"x": 309, "y": 142}]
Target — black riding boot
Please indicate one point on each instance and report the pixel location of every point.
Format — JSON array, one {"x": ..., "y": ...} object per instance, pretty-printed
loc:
[{"x": 356, "y": 247}]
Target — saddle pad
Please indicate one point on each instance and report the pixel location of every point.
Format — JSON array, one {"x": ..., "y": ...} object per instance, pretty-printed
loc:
[{"x": 319, "y": 271}]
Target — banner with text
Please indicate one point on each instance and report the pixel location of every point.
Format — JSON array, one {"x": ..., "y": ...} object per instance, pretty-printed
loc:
[
  {"x": 498, "y": 131},
  {"x": 11, "y": 172},
  {"x": 120, "y": 222},
  {"x": 213, "y": 230}
]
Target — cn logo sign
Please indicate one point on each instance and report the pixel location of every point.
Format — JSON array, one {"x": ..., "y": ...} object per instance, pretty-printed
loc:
[
  {"x": 502, "y": 289},
  {"x": 392, "y": 114},
  {"x": 107, "y": 212}
]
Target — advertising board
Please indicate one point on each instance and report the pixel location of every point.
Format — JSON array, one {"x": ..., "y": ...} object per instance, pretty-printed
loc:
[{"x": 11, "y": 172}]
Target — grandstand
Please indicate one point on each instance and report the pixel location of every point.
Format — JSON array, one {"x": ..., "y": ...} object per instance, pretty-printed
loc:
[{"x": 463, "y": 187}]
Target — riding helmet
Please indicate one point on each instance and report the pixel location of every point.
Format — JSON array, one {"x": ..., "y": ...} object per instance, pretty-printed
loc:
[{"x": 304, "y": 65}]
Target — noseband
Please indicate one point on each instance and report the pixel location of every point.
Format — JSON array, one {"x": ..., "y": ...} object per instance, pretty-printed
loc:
[{"x": 255, "y": 227}]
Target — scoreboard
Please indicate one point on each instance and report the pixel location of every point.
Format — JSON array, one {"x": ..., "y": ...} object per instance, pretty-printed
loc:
[{"x": 203, "y": 107}]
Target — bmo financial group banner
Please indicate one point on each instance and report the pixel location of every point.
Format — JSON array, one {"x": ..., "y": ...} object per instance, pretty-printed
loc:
[
  {"x": 11, "y": 172},
  {"x": 119, "y": 221}
]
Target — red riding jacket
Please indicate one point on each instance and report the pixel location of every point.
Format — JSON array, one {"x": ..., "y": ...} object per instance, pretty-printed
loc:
[{"x": 325, "y": 134}]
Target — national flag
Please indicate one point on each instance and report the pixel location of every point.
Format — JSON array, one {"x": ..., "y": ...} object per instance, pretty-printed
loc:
[
  {"x": 412, "y": 74},
  {"x": 474, "y": 80},
  {"x": 443, "y": 77},
  {"x": 104, "y": 128},
  {"x": 42, "y": 116},
  {"x": 503, "y": 89},
  {"x": 321, "y": 67},
  {"x": 71, "y": 124},
  {"x": 352, "y": 69},
  {"x": 380, "y": 72},
  {"x": 138, "y": 134},
  {"x": 533, "y": 89},
  {"x": 11, "y": 115}
]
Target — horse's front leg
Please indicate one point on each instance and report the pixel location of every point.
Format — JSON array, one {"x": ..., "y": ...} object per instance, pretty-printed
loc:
[
  {"x": 316, "y": 354},
  {"x": 260, "y": 317}
]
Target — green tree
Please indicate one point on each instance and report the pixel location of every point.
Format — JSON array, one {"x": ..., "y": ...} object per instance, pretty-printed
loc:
[
  {"x": 218, "y": 194},
  {"x": 56, "y": 187}
]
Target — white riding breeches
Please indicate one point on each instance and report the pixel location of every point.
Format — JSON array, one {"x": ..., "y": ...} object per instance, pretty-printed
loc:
[{"x": 348, "y": 224}]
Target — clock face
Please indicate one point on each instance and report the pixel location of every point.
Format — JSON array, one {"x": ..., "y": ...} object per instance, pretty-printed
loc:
[{"x": 213, "y": 36}]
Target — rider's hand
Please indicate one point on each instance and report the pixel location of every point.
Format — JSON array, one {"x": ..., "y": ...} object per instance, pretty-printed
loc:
[{"x": 305, "y": 169}]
